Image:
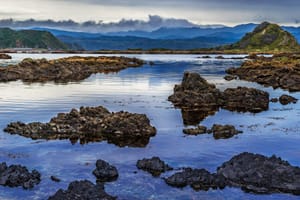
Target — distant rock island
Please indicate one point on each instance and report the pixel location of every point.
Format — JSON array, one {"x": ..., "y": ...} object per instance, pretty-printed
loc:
[
  {"x": 266, "y": 37},
  {"x": 29, "y": 39}
]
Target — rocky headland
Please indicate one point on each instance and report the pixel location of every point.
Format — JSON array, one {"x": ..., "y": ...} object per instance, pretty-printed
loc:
[
  {"x": 90, "y": 124},
  {"x": 65, "y": 70}
]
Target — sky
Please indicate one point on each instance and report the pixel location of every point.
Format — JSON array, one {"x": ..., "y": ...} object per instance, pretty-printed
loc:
[{"x": 227, "y": 12}]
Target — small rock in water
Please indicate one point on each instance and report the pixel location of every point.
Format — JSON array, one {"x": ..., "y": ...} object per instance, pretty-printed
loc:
[
  {"x": 286, "y": 99},
  {"x": 55, "y": 179},
  {"x": 105, "y": 172},
  {"x": 154, "y": 166},
  {"x": 224, "y": 131},
  {"x": 195, "y": 131}
]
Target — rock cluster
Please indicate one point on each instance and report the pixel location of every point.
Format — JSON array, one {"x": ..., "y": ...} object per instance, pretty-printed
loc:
[
  {"x": 219, "y": 131},
  {"x": 154, "y": 166},
  {"x": 105, "y": 172},
  {"x": 65, "y": 69},
  {"x": 251, "y": 172},
  {"x": 17, "y": 175},
  {"x": 279, "y": 71},
  {"x": 82, "y": 190},
  {"x": 90, "y": 124},
  {"x": 4, "y": 56},
  {"x": 196, "y": 96}
]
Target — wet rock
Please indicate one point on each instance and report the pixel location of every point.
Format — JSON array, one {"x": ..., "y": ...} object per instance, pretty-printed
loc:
[
  {"x": 274, "y": 100},
  {"x": 154, "y": 166},
  {"x": 245, "y": 99},
  {"x": 64, "y": 70},
  {"x": 220, "y": 57},
  {"x": 55, "y": 179},
  {"x": 279, "y": 71},
  {"x": 260, "y": 174},
  {"x": 224, "y": 131},
  {"x": 206, "y": 57},
  {"x": 195, "y": 131},
  {"x": 4, "y": 56},
  {"x": 251, "y": 172},
  {"x": 105, "y": 172},
  {"x": 199, "y": 179},
  {"x": 82, "y": 190},
  {"x": 197, "y": 98},
  {"x": 286, "y": 99},
  {"x": 90, "y": 124},
  {"x": 230, "y": 77},
  {"x": 17, "y": 175}
]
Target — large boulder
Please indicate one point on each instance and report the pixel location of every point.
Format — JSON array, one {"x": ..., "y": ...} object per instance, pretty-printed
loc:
[{"x": 105, "y": 172}]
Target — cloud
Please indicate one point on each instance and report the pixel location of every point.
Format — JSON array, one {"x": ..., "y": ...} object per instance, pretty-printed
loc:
[{"x": 154, "y": 22}]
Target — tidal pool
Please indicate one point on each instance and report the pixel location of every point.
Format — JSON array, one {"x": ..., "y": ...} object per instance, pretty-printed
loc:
[{"x": 141, "y": 90}]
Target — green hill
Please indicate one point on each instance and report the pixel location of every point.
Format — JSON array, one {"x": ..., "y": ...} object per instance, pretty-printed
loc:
[
  {"x": 29, "y": 39},
  {"x": 266, "y": 37}
]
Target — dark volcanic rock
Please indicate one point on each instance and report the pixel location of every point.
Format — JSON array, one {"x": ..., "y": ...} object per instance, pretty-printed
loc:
[
  {"x": 4, "y": 56},
  {"x": 259, "y": 174},
  {"x": 251, "y": 172},
  {"x": 198, "y": 99},
  {"x": 220, "y": 57},
  {"x": 224, "y": 131},
  {"x": 195, "y": 131},
  {"x": 90, "y": 124},
  {"x": 154, "y": 166},
  {"x": 55, "y": 179},
  {"x": 65, "y": 69},
  {"x": 82, "y": 190},
  {"x": 279, "y": 71},
  {"x": 105, "y": 172},
  {"x": 199, "y": 179},
  {"x": 245, "y": 99},
  {"x": 17, "y": 175},
  {"x": 230, "y": 77},
  {"x": 286, "y": 99}
]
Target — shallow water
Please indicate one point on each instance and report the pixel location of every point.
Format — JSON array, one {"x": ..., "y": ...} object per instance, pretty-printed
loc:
[{"x": 141, "y": 90}]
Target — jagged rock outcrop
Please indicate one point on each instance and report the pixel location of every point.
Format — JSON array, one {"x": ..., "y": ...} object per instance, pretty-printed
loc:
[
  {"x": 64, "y": 70},
  {"x": 196, "y": 95},
  {"x": 90, "y": 124},
  {"x": 251, "y": 172},
  {"x": 279, "y": 71},
  {"x": 17, "y": 175}
]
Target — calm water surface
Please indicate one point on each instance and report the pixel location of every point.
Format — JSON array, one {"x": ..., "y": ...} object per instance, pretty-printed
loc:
[{"x": 141, "y": 90}]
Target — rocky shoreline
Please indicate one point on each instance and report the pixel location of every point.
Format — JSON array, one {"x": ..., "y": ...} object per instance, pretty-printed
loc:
[
  {"x": 90, "y": 124},
  {"x": 195, "y": 94},
  {"x": 65, "y": 70},
  {"x": 278, "y": 71}
]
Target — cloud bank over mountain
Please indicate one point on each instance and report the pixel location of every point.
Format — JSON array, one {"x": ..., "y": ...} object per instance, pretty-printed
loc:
[{"x": 154, "y": 22}]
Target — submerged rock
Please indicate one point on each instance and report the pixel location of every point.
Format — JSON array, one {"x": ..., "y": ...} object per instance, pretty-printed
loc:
[
  {"x": 17, "y": 175},
  {"x": 105, "y": 172},
  {"x": 90, "y": 124},
  {"x": 195, "y": 96},
  {"x": 154, "y": 166},
  {"x": 65, "y": 69},
  {"x": 251, "y": 172},
  {"x": 286, "y": 99},
  {"x": 82, "y": 190},
  {"x": 279, "y": 71}
]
